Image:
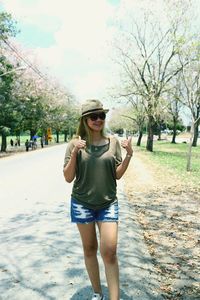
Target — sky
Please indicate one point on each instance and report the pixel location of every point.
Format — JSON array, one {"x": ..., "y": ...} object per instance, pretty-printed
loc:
[{"x": 72, "y": 39}]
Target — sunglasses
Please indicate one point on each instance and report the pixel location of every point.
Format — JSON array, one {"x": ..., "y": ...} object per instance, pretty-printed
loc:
[{"x": 95, "y": 116}]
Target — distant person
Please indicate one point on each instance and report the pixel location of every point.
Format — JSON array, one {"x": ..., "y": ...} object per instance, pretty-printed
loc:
[
  {"x": 34, "y": 143},
  {"x": 27, "y": 144},
  {"x": 31, "y": 144},
  {"x": 95, "y": 161},
  {"x": 41, "y": 142},
  {"x": 46, "y": 140},
  {"x": 11, "y": 142}
]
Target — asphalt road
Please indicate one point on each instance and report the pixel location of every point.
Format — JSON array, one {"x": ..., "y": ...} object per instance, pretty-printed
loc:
[{"x": 40, "y": 253}]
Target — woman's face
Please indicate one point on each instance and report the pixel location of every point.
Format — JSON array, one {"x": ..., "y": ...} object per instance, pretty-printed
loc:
[{"x": 96, "y": 121}]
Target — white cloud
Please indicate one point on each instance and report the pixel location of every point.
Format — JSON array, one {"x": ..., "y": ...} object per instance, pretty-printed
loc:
[
  {"x": 90, "y": 85},
  {"x": 80, "y": 56}
]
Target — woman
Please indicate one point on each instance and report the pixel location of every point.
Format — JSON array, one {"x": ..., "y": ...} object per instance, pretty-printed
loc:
[{"x": 95, "y": 161}]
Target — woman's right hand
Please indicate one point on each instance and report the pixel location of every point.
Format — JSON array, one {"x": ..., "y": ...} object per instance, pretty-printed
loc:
[{"x": 79, "y": 144}]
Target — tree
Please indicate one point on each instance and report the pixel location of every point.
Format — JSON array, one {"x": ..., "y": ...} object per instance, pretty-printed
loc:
[
  {"x": 175, "y": 105},
  {"x": 147, "y": 52},
  {"x": 70, "y": 122},
  {"x": 30, "y": 101},
  {"x": 7, "y": 75},
  {"x": 150, "y": 69},
  {"x": 7, "y": 103},
  {"x": 62, "y": 107},
  {"x": 41, "y": 103},
  {"x": 138, "y": 115},
  {"x": 191, "y": 89},
  {"x": 122, "y": 120},
  {"x": 31, "y": 98}
]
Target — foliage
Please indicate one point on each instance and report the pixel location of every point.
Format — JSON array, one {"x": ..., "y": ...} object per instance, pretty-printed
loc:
[
  {"x": 70, "y": 121},
  {"x": 179, "y": 125},
  {"x": 35, "y": 105},
  {"x": 4, "y": 130},
  {"x": 7, "y": 76},
  {"x": 8, "y": 114},
  {"x": 7, "y": 26},
  {"x": 122, "y": 118},
  {"x": 29, "y": 101}
]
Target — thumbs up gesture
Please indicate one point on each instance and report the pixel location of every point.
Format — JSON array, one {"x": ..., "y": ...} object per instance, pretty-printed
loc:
[
  {"x": 79, "y": 144},
  {"x": 127, "y": 144}
]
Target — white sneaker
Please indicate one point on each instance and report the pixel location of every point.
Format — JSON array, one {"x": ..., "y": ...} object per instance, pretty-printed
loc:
[{"x": 97, "y": 296}]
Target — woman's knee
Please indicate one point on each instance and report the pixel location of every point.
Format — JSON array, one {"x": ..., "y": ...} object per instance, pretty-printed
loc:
[
  {"x": 90, "y": 250},
  {"x": 109, "y": 254}
]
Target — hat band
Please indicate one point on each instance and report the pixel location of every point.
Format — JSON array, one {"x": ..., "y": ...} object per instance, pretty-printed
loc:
[{"x": 92, "y": 110}]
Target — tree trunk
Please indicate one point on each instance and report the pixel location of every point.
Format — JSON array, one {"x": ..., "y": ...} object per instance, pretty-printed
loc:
[
  {"x": 174, "y": 131},
  {"x": 196, "y": 127},
  {"x": 174, "y": 137},
  {"x": 149, "y": 145},
  {"x": 196, "y": 133},
  {"x": 159, "y": 132},
  {"x": 139, "y": 138},
  {"x": 159, "y": 136},
  {"x": 189, "y": 157},
  {"x": 57, "y": 136},
  {"x": 4, "y": 142},
  {"x": 65, "y": 136}
]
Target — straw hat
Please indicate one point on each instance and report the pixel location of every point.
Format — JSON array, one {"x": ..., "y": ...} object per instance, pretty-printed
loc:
[{"x": 92, "y": 106}]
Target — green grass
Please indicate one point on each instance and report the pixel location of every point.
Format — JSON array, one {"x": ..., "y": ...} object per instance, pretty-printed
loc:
[{"x": 174, "y": 157}]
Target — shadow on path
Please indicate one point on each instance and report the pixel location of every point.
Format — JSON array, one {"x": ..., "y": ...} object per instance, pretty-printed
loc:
[
  {"x": 41, "y": 257},
  {"x": 86, "y": 292}
]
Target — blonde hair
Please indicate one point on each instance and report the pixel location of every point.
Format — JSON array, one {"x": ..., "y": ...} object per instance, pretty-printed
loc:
[{"x": 85, "y": 132}]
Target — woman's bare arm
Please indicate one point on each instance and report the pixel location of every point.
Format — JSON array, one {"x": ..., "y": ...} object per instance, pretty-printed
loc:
[
  {"x": 69, "y": 170},
  {"x": 121, "y": 169}
]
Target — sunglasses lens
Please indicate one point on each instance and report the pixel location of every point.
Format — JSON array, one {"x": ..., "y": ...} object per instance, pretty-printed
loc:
[
  {"x": 95, "y": 117},
  {"x": 102, "y": 116}
]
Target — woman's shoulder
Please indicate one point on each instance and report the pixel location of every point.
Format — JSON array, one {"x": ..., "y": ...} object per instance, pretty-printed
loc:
[
  {"x": 71, "y": 143},
  {"x": 113, "y": 139},
  {"x": 74, "y": 139},
  {"x": 115, "y": 148},
  {"x": 114, "y": 142}
]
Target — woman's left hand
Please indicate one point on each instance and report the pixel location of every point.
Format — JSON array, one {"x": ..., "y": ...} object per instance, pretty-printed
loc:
[{"x": 127, "y": 144}]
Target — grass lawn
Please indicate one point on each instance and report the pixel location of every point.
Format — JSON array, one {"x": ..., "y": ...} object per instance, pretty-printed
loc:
[{"x": 174, "y": 157}]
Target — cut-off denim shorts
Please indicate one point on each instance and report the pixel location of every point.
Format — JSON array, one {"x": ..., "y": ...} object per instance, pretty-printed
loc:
[{"x": 84, "y": 215}]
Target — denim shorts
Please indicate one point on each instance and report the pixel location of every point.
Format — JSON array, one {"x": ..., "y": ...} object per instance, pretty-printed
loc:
[{"x": 82, "y": 214}]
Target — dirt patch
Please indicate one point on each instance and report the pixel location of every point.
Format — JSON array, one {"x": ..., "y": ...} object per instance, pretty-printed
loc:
[{"x": 168, "y": 212}]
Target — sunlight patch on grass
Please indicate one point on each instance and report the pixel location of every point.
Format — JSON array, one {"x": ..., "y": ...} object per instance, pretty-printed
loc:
[{"x": 174, "y": 157}]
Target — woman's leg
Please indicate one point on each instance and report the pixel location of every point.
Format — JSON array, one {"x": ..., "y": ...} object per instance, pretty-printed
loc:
[
  {"x": 90, "y": 246},
  {"x": 108, "y": 247}
]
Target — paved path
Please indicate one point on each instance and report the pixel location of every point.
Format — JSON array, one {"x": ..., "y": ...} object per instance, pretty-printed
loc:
[{"x": 40, "y": 253}]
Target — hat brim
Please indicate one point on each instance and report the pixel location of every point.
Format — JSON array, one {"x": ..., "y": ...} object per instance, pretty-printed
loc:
[{"x": 94, "y": 112}]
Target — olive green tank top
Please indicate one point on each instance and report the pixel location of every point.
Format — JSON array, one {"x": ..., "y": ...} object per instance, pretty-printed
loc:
[{"x": 95, "y": 182}]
